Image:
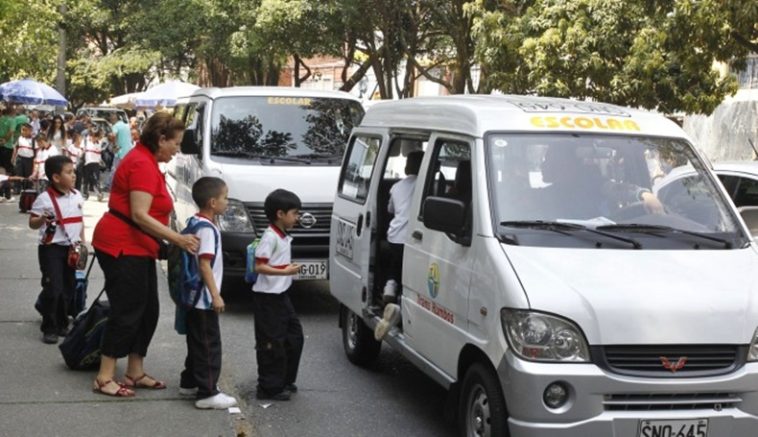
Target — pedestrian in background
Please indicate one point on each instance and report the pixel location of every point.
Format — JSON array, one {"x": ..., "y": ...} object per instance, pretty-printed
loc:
[
  {"x": 92, "y": 157},
  {"x": 122, "y": 138},
  {"x": 75, "y": 151},
  {"x": 56, "y": 133},
  {"x": 23, "y": 154},
  {"x": 57, "y": 213},
  {"x": 7, "y": 130},
  {"x": 278, "y": 332},
  {"x": 126, "y": 242}
]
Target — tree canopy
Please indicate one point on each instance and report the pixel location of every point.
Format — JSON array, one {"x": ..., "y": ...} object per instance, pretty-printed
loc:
[{"x": 647, "y": 53}]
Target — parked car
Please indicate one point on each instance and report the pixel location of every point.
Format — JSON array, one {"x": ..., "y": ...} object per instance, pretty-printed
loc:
[{"x": 740, "y": 179}]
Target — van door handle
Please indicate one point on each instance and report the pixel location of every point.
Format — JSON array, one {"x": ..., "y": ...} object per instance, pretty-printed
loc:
[
  {"x": 359, "y": 225},
  {"x": 417, "y": 235}
]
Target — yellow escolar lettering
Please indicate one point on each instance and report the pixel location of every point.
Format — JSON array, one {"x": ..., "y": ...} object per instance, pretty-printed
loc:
[{"x": 569, "y": 122}]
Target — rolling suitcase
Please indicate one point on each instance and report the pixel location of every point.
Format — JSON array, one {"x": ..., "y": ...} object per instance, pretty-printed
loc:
[{"x": 27, "y": 197}]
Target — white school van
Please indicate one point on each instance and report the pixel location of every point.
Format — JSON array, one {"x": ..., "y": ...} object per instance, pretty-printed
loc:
[
  {"x": 546, "y": 281},
  {"x": 258, "y": 139}
]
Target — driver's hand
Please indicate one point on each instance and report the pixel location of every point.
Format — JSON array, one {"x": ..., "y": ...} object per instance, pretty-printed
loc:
[{"x": 652, "y": 204}]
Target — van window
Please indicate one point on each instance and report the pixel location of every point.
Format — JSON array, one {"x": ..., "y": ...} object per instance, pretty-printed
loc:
[
  {"x": 355, "y": 177},
  {"x": 398, "y": 155},
  {"x": 283, "y": 130},
  {"x": 450, "y": 172}
]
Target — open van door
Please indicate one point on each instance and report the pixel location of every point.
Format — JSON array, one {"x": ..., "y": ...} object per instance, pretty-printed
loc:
[{"x": 354, "y": 209}]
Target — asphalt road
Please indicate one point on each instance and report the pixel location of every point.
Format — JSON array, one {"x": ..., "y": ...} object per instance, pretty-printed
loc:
[{"x": 335, "y": 398}]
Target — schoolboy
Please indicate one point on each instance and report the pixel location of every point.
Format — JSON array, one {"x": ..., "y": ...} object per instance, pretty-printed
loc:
[
  {"x": 278, "y": 332},
  {"x": 23, "y": 153},
  {"x": 58, "y": 278},
  {"x": 203, "y": 363},
  {"x": 44, "y": 151}
]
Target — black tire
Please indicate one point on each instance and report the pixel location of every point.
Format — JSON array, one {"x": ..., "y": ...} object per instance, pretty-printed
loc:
[
  {"x": 481, "y": 407},
  {"x": 358, "y": 340}
]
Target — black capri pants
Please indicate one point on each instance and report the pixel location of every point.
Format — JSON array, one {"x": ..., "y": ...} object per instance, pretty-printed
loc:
[{"x": 131, "y": 284}]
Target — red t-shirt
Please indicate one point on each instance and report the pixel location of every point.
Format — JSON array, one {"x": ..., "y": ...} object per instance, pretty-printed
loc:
[{"x": 138, "y": 171}]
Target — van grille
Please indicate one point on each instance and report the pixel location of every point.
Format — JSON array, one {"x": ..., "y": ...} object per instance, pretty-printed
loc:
[
  {"x": 682, "y": 361},
  {"x": 671, "y": 401},
  {"x": 321, "y": 212}
]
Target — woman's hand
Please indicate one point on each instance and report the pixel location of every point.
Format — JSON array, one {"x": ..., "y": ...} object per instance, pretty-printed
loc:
[{"x": 190, "y": 243}]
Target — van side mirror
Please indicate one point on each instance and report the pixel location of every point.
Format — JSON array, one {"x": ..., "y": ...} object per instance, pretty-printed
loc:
[
  {"x": 189, "y": 145},
  {"x": 750, "y": 215},
  {"x": 445, "y": 215}
]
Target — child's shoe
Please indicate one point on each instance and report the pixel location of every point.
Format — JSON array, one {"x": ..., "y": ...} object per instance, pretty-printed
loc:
[
  {"x": 50, "y": 338},
  {"x": 390, "y": 319},
  {"x": 390, "y": 292},
  {"x": 219, "y": 401}
]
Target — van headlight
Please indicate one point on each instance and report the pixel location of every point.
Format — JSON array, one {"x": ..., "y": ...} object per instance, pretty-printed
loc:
[
  {"x": 542, "y": 337},
  {"x": 752, "y": 352},
  {"x": 235, "y": 219}
]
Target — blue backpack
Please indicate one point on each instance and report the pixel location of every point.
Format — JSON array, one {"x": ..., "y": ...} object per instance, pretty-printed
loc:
[
  {"x": 185, "y": 285},
  {"x": 250, "y": 274}
]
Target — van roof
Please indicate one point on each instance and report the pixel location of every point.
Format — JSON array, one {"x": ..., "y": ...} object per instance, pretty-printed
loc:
[
  {"x": 268, "y": 91},
  {"x": 476, "y": 114}
]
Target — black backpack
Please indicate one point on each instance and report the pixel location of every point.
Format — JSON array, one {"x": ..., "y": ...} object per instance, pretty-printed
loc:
[{"x": 81, "y": 347}]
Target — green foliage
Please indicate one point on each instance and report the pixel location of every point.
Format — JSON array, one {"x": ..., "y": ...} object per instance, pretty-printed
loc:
[
  {"x": 639, "y": 53},
  {"x": 29, "y": 39}
]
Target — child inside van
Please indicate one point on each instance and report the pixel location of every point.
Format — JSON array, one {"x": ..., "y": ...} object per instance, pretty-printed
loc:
[
  {"x": 278, "y": 332},
  {"x": 202, "y": 366},
  {"x": 401, "y": 194},
  {"x": 57, "y": 212}
]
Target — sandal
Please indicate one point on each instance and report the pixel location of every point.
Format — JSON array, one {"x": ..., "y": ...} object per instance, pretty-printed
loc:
[
  {"x": 122, "y": 392},
  {"x": 134, "y": 382}
]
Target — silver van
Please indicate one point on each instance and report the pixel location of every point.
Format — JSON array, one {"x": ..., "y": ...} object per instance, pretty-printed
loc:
[{"x": 546, "y": 280}]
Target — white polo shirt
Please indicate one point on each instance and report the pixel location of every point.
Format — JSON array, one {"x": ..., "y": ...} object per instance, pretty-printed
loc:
[
  {"x": 74, "y": 152},
  {"x": 71, "y": 209},
  {"x": 210, "y": 250},
  {"x": 399, "y": 204},
  {"x": 25, "y": 147},
  {"x": 92, "y": 151},
  {"x": 275, "y": 250}
]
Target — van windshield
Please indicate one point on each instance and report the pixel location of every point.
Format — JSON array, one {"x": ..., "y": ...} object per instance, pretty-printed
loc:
[
  {"x": 306, "y": 130},
  {"x": 605, "y": 191}
]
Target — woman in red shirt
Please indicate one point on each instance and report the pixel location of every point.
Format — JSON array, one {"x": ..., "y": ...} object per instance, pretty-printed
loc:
[{"x": 126, "y": 245}]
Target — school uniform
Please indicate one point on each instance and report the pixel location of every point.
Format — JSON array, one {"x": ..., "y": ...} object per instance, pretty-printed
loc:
[
  {"x": 401, "y": 194},
  {"x": 75, "y": 153},
  {"x": 58, "y": 278},
  {"x": 25, "y": 156},
  {"x": 202, "y": 366},
  {"x": 92, "y": 152},
  {"x": 278, "y": 332}
]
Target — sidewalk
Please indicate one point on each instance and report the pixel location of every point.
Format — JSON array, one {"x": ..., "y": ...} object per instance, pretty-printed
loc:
[{"x": 40, "y": 396}]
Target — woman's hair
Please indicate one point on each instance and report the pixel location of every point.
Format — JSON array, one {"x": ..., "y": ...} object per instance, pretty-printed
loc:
[
  {"x": 51, "y": 129},
  {"x": 159, "y": 124}
]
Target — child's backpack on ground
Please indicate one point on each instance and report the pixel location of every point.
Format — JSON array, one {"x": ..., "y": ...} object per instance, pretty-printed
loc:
[
  {"x": 185, "y": 284},
  {"x": 81, "y": 347},
  {"x": 27, "y": 197}
]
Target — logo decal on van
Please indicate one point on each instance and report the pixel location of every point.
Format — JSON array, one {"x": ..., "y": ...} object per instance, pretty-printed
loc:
[
  {"x": 673, "y": 366},
  {"x": 307, "y": 220},
  {"x": 433, "y": 280}
]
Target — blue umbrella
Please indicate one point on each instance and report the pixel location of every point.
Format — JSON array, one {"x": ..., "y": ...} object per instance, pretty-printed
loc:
[
  {"x": 165, "y": 94},
  {"x": 31, "y": 92}
]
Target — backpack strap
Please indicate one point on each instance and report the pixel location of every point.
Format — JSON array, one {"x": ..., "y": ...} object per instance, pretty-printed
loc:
[{"x": 192, "y": 228}]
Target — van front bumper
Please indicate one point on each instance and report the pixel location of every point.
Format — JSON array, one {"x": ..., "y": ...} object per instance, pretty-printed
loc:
[{"x": 594, "y": 409}]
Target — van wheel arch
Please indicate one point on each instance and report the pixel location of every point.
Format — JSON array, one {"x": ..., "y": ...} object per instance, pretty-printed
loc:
[{"x": 483, "y": 374}]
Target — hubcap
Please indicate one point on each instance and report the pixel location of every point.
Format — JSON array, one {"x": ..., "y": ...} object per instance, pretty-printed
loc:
[{"x": 478, "y": 412}]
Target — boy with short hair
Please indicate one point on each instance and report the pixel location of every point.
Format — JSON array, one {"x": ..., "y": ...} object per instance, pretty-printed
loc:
[
  {"x": 57, "y": 213},
  {"x": 202, "y": 366},
  {"x": 278, "y": 332}
]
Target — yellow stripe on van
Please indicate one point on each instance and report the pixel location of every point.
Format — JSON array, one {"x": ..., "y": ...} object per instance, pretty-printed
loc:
[{"x": 585, "y": 123}]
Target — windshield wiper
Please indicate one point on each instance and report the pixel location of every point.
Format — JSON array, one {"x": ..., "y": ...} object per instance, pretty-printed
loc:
[
  {"x": 566, "y": 229},
  {"x": 657, "y": 229},
  {"x": 236, "y": 153},
  {"x": 273, "y": 159},
  {"x": 320, "y": 156}
]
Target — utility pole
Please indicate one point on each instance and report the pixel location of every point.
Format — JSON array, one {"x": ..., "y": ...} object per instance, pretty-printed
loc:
[{"x": 60, "y": 78}]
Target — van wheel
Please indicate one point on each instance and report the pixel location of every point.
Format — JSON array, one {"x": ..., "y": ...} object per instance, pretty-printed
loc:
[
  {"x": 357, "y": 339},
  {"x": 482, "y": 411}
]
